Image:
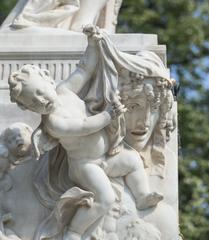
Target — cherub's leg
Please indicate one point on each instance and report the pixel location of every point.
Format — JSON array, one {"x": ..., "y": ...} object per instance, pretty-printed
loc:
[
  {"x": 91, "y": 178},
  {"x": 129, "y": 164}
]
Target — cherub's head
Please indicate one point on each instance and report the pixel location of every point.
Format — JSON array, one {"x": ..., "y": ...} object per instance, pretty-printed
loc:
[
  {"x": 32, "y": 88},
  {"x": 4, "y": 161},
  {"x": 17, "y": 139}
]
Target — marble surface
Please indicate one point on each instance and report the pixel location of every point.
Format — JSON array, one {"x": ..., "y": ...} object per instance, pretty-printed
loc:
[
  {"x": 37, "y": 39},
  {"x": 107, "y": 167},
  {"x": 64, "y": 14}
]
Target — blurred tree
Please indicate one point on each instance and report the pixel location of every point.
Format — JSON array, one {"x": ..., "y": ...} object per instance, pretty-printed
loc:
[
  {"x": 5, "y": 8},
  {"x": 183, "y": 26}
]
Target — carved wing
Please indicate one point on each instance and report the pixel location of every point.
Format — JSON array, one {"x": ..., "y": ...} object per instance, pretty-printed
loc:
[{"x": 42, "y": 142}]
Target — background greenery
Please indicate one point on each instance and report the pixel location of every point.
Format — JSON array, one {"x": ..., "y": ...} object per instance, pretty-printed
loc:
[{"x": 183, "y": 25}]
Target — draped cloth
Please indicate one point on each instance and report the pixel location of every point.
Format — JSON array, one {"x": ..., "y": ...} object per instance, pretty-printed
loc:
[
  {"x": 102, "y": 90},
  {"x": 51, "y": 178},
  {"x": 54, "y": 225},
  {"x": 145, "y": 63}
]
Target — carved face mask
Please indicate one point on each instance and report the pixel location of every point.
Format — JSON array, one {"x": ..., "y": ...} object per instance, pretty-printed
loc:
[
  {"x": 142, "y": 116},
  {"x": 140, "y": 121}
]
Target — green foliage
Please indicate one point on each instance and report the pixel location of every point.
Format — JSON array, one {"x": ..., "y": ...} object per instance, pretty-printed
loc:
[
  {"x": 183, "y": 26},
  {"x": 5, "y": 8},
  {"x": 180, "y": 24}
]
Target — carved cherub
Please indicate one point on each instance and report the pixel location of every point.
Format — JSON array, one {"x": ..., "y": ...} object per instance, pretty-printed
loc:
[
  {"x": 17, "y": 138},
  {"x": 66, "y": 118}
]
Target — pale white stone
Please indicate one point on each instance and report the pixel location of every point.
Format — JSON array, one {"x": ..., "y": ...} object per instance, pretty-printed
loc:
[
  {"x": 64, "y": 14},
  {"x": 18, "y": 200},
  {"x": 138, "y": 93}
]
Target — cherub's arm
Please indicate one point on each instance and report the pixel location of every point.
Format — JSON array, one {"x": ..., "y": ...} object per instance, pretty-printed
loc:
[
  {"x": 86, "y": 67},
  {"x": 78, "y": 127}
]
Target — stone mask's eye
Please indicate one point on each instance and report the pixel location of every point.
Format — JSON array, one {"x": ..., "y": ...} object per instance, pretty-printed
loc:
[
  {"x": 132, "y": 106},
  {"x": 39, "y": 92}
]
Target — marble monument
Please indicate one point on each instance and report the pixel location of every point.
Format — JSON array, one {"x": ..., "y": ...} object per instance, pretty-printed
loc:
[
  {"x": 88, "y": 145},
  {"x": 64, "y": 14}
]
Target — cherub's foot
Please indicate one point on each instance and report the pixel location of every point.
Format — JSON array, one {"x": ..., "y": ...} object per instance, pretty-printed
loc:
[
  {"x": 148, "y": 201},
  {"x": 69, "y": 235}
]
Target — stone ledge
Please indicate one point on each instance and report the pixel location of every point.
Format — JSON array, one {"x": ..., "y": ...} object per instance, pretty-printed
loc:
[{"x": 56, "y": 41}]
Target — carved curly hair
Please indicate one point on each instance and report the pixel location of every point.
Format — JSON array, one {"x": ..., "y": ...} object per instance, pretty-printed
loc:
[
  {"x": 21, "y": 78},
  {"x": 14, "y": 126}
]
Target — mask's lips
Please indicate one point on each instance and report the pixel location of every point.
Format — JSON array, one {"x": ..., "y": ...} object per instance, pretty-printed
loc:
[{"x": 139, "y": 132}]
